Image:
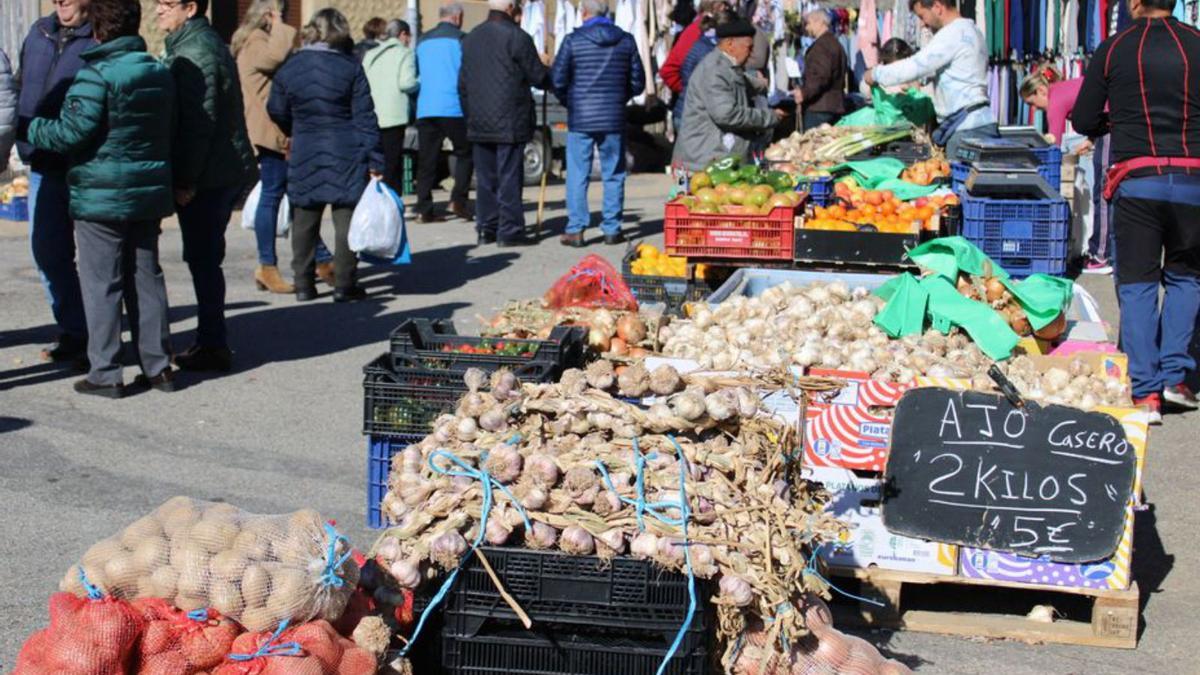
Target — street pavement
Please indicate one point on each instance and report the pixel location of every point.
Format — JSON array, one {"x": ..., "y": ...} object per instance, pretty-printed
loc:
[{"x": 283, "y": 431}]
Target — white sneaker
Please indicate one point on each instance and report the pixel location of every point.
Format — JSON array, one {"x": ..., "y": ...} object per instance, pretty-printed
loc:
[{"x": 1181, "y": 396}]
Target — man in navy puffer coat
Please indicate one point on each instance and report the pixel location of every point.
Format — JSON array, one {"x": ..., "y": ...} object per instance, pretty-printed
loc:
[
  {"x": 50, "y": 58},
  {"x": 597, "y": 71}
]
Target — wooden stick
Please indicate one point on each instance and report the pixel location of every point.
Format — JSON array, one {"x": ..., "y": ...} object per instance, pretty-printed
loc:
[{"x": 512, "y": 602}]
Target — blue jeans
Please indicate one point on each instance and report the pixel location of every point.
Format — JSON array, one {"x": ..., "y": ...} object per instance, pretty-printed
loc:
[
  {"x": 52, "y": 237},
  {"x": 579, "y": 172},
  {"x": 1154, "y": 225},
  {"x": 202, "y": 223},
  {"x": 272, "y": 169}
]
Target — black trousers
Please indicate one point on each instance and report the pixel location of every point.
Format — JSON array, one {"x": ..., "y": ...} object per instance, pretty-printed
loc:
[
  {"x": 115, "y": 260},
  {"x": 500, "y": 176},
  {"x": 392, "y": 139},
  {"x": 306, "y": 228},
  {"x": 431, "y": 131}
]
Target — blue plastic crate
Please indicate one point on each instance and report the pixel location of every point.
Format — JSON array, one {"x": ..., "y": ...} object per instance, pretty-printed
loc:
[
  {"x": 1024, "y": 236},
  {"x": 819, "y": 189},
  {"x": 17, "y": 209},
  {"x": 380, "y": 450},
  {"x": 959, "y": 172}
]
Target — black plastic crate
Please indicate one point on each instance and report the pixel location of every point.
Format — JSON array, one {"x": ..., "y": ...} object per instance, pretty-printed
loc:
[
  {"x": 505, "y": 647},
  {"x": 432, "y": 342},
  {"x": 673, "y": 292},
  {"x": 881, "y": 249},
  {"x": 585, "y": 590},
  {"x": 905, "y": 151},
  {"x": 405, "y": 400}
]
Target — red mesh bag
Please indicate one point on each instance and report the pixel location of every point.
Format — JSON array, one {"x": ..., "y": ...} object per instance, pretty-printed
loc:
[
  {"x": 95, "y": 635},
  {"x": 312, "y": 648},
  {"x": 592, "y": 283},
  {"x": 825, "y": 651},
  {"x": 182, "y": 643}
]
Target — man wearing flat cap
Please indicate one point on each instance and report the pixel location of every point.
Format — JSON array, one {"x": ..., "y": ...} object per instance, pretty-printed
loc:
[{"x": 719, "y": 117}]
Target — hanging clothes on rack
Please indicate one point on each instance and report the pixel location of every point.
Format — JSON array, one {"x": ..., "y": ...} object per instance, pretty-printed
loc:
[
  {"x": 566, "y": 20},
  {"x": 533, "y": 22}
]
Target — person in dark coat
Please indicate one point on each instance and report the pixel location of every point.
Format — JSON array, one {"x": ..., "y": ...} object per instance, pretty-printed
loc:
[
  {"x": 499, "y": 65},
  {"x": 50, "y": 58},
  {"x": 704, "y": 45},
  {"x": 597, "y": 71},
  {"x": 822, "y": 94},
  {"x": 320, "y": 98},
  {"x": 372, "y": 30},
  {"x": 440, "y": 115},
  {"x": 213, "y": 162},
  {"x": 116, "y": 128}
]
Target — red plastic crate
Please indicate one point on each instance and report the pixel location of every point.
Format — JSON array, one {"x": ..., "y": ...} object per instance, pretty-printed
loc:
[{"x": 708, "y": 236}]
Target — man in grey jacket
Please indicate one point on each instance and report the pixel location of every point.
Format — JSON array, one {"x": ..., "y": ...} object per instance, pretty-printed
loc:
[
  {"x": 719, "y": 117},
  {"x": 8, "y": 109}
]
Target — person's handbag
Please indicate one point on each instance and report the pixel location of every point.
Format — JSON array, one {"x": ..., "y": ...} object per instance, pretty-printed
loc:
[
  {"x": 283, "y": 220},
  {"x": 377, "y": 226}
]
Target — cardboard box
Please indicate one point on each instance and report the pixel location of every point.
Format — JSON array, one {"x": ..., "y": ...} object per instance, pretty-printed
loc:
[
  {"x": 842, "y": 430},
  {"x": 1113, "y": 573},
  {"x": 855, "y": 501}
]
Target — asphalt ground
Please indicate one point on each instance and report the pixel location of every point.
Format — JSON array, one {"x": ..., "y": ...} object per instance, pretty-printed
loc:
[{"x": 283, "y": 430}]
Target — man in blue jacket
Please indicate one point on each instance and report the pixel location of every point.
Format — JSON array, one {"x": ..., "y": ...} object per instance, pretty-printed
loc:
[
  {"x": 440, "y": 115},
  {"x": 597, "y": 71},
  {"x": 50, "y": 59}
]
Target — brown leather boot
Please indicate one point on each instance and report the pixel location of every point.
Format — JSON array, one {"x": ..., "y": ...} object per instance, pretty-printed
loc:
[
  {"x": 325, "y": 272},
  {"x": 267, "y": 278}
]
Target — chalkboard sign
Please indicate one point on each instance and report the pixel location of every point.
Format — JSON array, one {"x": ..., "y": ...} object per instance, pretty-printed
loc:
[{"x": 970, "y": 468}]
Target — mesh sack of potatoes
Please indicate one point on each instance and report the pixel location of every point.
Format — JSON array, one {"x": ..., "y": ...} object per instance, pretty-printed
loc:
[{"x": 258, "y": 570}]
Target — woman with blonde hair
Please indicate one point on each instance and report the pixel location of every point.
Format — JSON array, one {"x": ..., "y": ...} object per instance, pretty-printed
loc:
[
  {"x": 261, "y": 44},
  {"x": 321, "y": 99}
]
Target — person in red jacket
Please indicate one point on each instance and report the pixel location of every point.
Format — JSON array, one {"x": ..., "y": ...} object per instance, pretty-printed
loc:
[{"x": 671, "y": 70}]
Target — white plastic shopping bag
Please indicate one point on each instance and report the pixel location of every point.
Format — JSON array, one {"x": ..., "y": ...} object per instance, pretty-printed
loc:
[
  {"x": 283, "y": 220},
  {"x": 377, "y": 226}
]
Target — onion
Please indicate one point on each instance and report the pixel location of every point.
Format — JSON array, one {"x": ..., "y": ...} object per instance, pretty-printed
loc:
[
  {"x": 993, "y": 289},
  {"x": 1054, "y": 329},
  {"x": 618, "y": 347},
  {"x": 631, "y": 329},
  {"x": 599, "y": 340}
]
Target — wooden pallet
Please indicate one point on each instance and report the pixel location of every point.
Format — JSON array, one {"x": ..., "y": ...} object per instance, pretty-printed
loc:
[{"x": 963, "y": 605}]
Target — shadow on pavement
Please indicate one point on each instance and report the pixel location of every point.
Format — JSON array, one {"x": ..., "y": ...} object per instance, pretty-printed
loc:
[
  {"x": 308, "y": 330},
  {"x": 434, "y": 271},
  {"x": 8, "y": 424},
  {"x": 1152, "y": 563},
  {"x": 881, "y": 640}
]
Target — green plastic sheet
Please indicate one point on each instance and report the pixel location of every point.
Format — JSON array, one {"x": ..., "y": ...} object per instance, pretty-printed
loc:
[
  {"x": 947, "y": 256},
  {"x": 871, "y": 172},
  {"x": 909, "y": 106},
  {"x": 912, "y": 302},
  {"x": 904, "y": 313},
  {"x": 1042, "y": 297}
]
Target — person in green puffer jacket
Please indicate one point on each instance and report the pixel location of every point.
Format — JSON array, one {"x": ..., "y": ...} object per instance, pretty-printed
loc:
[
  {"x": 115, "y": 128},
  {"x": 213, "y": 162}
]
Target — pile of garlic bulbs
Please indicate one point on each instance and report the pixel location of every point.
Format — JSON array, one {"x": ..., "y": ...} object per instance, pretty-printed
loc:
[
  {"x": 819, "y": 325},
  {"x": 571, "y": 456},
  {"x": 1078, "y": 385}
]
